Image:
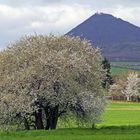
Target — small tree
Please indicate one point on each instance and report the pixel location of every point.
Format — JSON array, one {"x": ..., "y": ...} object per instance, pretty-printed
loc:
[
  {"x": 43, "y": 77},
  {"x": 108, "y": 78},
  {"x": 132, "y": 86}
]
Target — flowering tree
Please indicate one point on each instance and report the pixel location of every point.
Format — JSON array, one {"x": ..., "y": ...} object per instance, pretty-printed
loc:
[
  {"x": 115, "y": 90},
  {"x": 43, "y": 77},
  {"x": 132, "y": 86}
]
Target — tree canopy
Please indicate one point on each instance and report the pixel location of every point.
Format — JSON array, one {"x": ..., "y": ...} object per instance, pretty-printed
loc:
[
  {"x": 108, "y": 78},
  {"x": 44, "y": 77}
]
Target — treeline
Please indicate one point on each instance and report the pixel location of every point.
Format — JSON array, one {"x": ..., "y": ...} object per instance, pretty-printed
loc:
[{"x": 126, "y": 87}]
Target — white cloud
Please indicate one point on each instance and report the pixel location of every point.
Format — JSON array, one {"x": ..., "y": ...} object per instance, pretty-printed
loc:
[
  {"x": 130, "y": 14},
  {"x": 17, "y": 21},
  {"x": 56, "y": 16}
]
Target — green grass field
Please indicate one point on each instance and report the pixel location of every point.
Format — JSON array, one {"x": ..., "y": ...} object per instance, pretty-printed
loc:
[
  {"x": 120, "y": 67},
  {"x": 110, "y": 133},
  {"x": 121, "y": 122},
  {"x": 117, "y": 71},
  {"x": 120, "y": 113}
]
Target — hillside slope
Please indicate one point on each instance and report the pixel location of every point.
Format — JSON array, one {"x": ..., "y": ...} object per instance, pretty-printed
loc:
[{"x": 118, "y": 39}]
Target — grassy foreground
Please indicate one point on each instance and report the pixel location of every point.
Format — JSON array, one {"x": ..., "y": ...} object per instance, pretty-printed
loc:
[
  {"x": 121, "y": 122},
  {"x": 108, "y": 133}
]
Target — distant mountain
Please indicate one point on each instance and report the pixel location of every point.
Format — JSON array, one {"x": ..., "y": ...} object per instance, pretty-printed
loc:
[{"x": 118, "y": 39}]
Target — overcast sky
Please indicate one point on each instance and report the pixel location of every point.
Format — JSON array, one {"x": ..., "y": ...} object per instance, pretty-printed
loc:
[{"x": 26, "y": 17}]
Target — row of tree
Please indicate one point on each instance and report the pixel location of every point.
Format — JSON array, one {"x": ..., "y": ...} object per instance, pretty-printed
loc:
[
  {"x": 45, "y": 77},
  {"x": 127, "y": 87}
]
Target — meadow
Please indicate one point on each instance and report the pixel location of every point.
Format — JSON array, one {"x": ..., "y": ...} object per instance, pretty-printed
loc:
[
  {"x": 121, "y": 121},
  {"x": 121, "y": 114},
  {"x": 119, "y": 71},
  {"x": 120, "y": 67},
  {"x": 109, "y": 133}
]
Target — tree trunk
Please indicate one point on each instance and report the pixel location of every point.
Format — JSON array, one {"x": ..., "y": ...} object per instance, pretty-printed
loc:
[
  {"x": 128, "y": 98},
  {"x": 136, "y": 99},
  {"x": 51, "y": 117},
  {"x": 38, "y": 119},
  {"x": 93, "y": 126},
  {"x": 47, "y": 127},
  {"x": 47, "y": 118}
]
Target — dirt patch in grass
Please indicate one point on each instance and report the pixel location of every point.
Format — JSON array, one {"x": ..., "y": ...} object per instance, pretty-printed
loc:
[{"x": 124, "y": 108}]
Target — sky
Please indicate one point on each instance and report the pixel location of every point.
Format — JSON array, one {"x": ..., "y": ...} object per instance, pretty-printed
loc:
[{"x": 27, "y": 17}]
